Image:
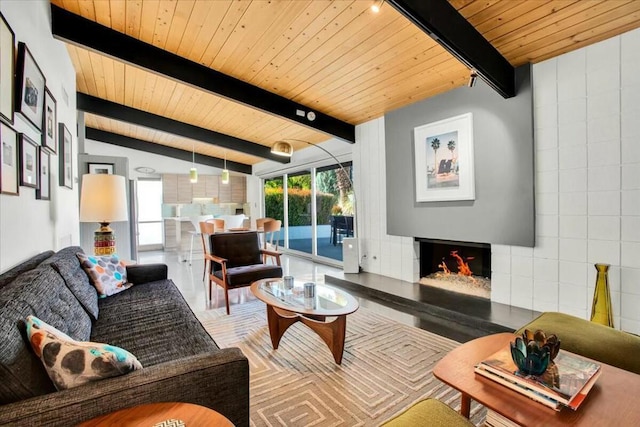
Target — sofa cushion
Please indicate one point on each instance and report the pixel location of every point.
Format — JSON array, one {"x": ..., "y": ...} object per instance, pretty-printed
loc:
[
  {"x": 67, "y": 264},
  {"x": 71, "y": 363},
  {"x": 43, "y": 293},
  {"x": 242, "y": 276},
  {"x": 153, "y": 321},
  {"x": 10, "y": 275},
  {"x": 107, "y": 273}
]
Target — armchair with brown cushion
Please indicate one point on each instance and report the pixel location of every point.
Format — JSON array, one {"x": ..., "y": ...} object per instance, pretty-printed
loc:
[{"x": 237, "y": 261}]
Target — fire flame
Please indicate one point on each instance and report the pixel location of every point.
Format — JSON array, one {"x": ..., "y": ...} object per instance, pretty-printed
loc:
[{"x": 463, "y": 266}]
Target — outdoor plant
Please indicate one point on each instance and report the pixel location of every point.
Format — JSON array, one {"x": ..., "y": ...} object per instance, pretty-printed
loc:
[{"x": 299, "y": 205}]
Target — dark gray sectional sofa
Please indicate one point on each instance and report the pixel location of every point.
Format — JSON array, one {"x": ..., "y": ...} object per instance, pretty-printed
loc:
[{"x": 181, "y": 362}]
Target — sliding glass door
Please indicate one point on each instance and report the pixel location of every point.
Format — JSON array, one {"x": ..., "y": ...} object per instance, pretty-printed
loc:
[
  {"x": 299, "y": 212},
  {"x": 274, "y": 202},
  {"x": 319, "y": 209}
]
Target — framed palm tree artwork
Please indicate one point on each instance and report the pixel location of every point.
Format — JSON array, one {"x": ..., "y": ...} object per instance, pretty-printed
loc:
[{"x": 443, "y": 153}]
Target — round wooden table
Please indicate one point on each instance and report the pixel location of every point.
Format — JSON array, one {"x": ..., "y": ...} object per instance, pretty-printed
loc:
[{"x": 161, "y": 414}]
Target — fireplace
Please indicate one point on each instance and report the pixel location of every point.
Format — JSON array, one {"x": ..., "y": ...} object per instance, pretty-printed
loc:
[{"x": 463, "y": 267}]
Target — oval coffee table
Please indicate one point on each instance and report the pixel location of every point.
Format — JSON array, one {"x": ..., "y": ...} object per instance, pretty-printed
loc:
[{"x": 285, "y": 309}]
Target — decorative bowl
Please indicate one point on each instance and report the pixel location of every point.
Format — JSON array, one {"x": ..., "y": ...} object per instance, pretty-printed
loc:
[
  {"x": 552, "y": 342},
  {"x": 530, "y": 358}
]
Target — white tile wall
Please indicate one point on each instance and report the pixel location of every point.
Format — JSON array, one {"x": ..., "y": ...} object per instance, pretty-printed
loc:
[
  {"x": 595, "y": 201},
  {"x": 587, "y": 129}
]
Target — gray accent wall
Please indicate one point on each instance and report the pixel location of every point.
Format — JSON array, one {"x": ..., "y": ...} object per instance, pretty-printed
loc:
[{"x": 503, "y": 210}]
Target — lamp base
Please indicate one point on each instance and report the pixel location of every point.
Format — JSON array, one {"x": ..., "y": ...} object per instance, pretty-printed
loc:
[{"x": 104, "y": 240}]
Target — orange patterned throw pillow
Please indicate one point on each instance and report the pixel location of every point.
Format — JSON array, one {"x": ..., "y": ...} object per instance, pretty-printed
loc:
[
  {"x": 108, "y": 273},
  {"x": 71, "y": 363}
]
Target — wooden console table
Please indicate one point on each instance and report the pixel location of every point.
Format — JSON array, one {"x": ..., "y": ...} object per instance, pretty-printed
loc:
[{"x": 611, "y": 401}]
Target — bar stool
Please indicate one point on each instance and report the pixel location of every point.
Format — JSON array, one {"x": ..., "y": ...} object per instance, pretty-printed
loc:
[{"x": 195, "y": 221}]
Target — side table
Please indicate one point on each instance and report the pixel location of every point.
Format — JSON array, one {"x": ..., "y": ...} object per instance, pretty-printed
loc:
[
  {"x": 611, "y": 401},
  {"x": 161, "y": 414}
]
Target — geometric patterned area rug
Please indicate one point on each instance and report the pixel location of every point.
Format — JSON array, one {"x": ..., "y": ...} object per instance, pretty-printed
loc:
[{"x": 386, "y": 367}]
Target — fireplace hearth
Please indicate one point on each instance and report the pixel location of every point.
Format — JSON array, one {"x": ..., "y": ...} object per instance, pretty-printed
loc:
[{"x": 463, "y": 267}]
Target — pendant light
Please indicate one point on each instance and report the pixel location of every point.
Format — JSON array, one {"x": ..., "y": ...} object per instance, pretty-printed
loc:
[
  {"x": 193, "y": 172},
  {"x": 225, "y": 171}
]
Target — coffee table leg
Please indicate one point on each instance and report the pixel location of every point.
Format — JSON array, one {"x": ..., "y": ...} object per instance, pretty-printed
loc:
[
  {"x": 332, "y": 333},
  {"x": 278, "y": 324},
  {"x": 465, "y": 405}
]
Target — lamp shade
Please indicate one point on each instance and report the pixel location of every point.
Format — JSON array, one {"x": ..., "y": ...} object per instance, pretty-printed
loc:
[
  {"x": 282, "y": 148},
  {"x": 103, "y": 198},
  {"x": 225, "y": 176}
]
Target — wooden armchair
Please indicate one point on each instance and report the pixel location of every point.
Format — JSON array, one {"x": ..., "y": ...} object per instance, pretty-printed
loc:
[
  {"x": 237, "y": 261},
  {"x": 207, "y": 228}
]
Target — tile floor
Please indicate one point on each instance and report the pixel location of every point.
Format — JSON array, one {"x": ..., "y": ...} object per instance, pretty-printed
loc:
[{"x": 188, "y": 278}]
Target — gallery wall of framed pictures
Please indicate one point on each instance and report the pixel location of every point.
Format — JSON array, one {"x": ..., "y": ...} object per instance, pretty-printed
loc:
[
  {"x": 25, "y": 160},
  {"x": 7, "y": 53}
]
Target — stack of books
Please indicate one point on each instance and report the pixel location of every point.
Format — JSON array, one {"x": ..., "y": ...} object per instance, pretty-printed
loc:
[{"x": 565, "y": 383}]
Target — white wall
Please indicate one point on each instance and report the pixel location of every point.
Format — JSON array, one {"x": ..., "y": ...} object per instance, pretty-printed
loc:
[
  {"x": 162, "y": 164},
  {"x": 587, "y": 186},
  {"x": 380, "y": 253},
  {"x": 587, "y": 120},
  {"x": 29, "y": 226}
]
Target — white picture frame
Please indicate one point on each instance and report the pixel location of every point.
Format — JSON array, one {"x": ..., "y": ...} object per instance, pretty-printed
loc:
[
  {"x": 445, "y": 173},
  {"x": 43, "y": 192},
  {"x": 101, "y": 168},
  {"x": 30, "y": 84}
]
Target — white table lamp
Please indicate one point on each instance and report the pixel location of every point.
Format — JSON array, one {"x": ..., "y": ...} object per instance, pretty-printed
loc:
[{"x": 103, "y": 199}]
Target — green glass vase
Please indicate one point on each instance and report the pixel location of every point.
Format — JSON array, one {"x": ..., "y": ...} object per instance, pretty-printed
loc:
[{"x": 601, "y": 310}]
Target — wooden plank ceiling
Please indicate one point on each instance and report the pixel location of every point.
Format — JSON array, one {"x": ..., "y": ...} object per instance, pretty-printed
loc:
[{"x": 336, "y": 57}]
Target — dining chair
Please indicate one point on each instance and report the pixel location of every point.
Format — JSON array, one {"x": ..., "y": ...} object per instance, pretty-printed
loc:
[
  {"x": 260, "y": 222},
  {"x": 207, "y": 228},
  {"x": 219, "y": 223},
  {"x": 195, "y": 221},
  {"x": 260, "y": 229},
  {"x": 271, "y": 235}
]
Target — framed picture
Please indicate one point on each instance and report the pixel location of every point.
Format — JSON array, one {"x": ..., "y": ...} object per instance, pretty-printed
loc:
[
  {"x": 101, "y": 168},
  {"x": 49, "y": 122},
  {"x": 29, "y": 162},
  {"x": 30, "y": 86},
  {"x": 43, "y": 192},
  {"x": 8, "y": 160},
  {"x": 65, "y": 156},
  {"x": 7, "y": 54},
  {"x": 444, "y": 160}
]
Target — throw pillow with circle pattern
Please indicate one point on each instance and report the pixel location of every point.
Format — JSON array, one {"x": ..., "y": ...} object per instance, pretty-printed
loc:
[
  {"x": 108, "y": 273},
  {"x": 71, "y": 363}
]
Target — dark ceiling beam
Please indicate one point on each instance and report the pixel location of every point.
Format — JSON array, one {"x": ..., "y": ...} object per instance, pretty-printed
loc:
[
  {"x": 162, "y": 150},
  {"x": 102, "y": 107},
  {"x": 77, "y": 30},
  {"x": 440, "y": 20}
]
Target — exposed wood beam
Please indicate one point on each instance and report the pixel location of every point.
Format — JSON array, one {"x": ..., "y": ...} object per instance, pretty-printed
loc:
[
  {"x": 86, "y": 33},
  {"x": 174, "y": 153},
  {"x": 440, "y": 20},
  {"x": 101, "y": 107}
]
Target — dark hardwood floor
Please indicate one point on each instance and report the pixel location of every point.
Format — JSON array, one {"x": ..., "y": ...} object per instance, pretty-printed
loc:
[{"x": 451, "y": 314}]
